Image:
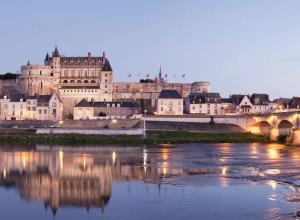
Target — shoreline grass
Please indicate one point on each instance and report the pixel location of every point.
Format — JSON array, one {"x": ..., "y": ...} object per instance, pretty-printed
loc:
[{"x": 153, "y": 137}]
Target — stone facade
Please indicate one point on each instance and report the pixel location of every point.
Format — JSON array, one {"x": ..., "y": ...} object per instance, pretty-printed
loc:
[
  {"x": 94, "y": 110},
  {"x": 91, "y": 78},
  {"x": 73, "y": 78},
  {"x": 146, "y": 94},
  {"x": 169, "y": 102},
  {"x": 21, "y": 107}
]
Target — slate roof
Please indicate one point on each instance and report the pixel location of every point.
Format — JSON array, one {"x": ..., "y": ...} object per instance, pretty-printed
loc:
[
  {"x": 106, "y": 65},
  {"x": 98, "y": 61},
  {"x": 225, "y": 100},
  {"x": 41, "y": 99},
  {"x": 169, "y": 94},
  {"x": 260, "y": 99},
  {"x": 85, "y": 103},
  {"x": 15, "y": 97},
  {"x": 56, "y": 53},
  {"x": 236, "y": 99},
  {"x": 80, "y": 87},
  {"x": 197, "y": 98},
  {"x": 282, "y": 101},
  {"x": 295, "y": 102}
]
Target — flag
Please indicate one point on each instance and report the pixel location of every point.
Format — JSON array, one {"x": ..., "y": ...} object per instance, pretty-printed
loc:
[
  {"x": 147, "y": 75},
  {"x": 166, "y": 75},
  {"x": 183, "y": 75},
  {"x": 129, "y": 75}
]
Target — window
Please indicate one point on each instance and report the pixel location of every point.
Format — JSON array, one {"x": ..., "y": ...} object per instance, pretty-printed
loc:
[
  {"x": 45, "y": 111},
  {"x": 162, "y": 109},
  {"x": 34, "y": 108},
  {"x": 40, "y": 111},
  {"x": 54, "y": 111}
]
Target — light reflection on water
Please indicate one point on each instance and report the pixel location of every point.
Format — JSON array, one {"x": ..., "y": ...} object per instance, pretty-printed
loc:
[{"x": 179, "y": 182}]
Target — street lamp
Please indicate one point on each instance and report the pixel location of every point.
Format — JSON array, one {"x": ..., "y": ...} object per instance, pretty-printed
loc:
[{"x": 145, "y": 135}]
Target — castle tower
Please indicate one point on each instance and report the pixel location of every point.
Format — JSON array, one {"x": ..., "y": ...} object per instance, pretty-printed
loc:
[
  {"x": 55, "y": 62},
  {"x": 106, "y": 86}
]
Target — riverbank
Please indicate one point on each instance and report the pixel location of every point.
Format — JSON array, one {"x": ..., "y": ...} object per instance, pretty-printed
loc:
[{"x": 153, "y": 137}]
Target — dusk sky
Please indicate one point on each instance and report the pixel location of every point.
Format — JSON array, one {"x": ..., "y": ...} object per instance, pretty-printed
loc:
[{"x": 240, "y": 46}]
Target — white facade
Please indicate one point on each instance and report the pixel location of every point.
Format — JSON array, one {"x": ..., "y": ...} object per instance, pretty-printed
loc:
[
  {"x": 31, "y": 108},
  {"x": 169, "y": 106},
  {"x": 206, "y": 108}
]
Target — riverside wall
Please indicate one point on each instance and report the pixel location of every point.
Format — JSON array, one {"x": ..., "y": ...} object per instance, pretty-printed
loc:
[{"x": 137, "y": 131}]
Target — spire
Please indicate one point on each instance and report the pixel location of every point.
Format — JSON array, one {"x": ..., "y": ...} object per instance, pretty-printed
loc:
[
  {"x": 106, "y": 65},
  {"x": 56, "y": 52},
  {"x": 160, "y": 75},
  {"x": 28, "y": 63},
  {"x": 47, "y": 57}
]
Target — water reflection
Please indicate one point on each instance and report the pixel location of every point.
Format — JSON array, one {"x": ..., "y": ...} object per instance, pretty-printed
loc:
[
  {"x": 60, "y": 177},
  {"x": 69, "y": 178}
]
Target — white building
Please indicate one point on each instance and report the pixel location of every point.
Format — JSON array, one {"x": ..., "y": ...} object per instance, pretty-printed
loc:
[
  {"x": 169, "y": 102},
  {"x": 204, "y": 103},
  {"x": 254, "y": 104},
  {"x": 93, "y": 110},
  {"x": 21, "y": 107}
]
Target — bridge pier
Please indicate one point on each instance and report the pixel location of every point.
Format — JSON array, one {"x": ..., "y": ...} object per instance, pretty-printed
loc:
[
  {"x": 274, "y": 134},
  {"x": 296, "y": 133},
  {"x": 296, "y": 137}
]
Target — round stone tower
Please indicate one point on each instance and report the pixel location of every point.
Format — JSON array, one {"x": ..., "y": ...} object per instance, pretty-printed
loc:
[
  {"x": 200, "y": 87},
  {"x": 37, "y": 79}
]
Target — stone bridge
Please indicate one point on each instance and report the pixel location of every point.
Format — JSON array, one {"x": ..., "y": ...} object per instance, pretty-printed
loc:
[{"x": 275, "y": 124}]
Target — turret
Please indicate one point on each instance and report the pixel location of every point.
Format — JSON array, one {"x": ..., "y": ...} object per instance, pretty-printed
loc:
[
  {"x": 56, "y": 61},
  {"x": 46, "y": 61},
  {"x": 56, "y": 53}
]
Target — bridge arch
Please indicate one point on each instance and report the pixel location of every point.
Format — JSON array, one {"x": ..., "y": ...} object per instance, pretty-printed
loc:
[
  {"x": 285, "y": 127},
  {"x": 261, "y": 127}
]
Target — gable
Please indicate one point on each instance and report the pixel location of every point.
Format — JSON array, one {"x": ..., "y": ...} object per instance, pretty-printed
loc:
[{"x": 245, "y": 101}]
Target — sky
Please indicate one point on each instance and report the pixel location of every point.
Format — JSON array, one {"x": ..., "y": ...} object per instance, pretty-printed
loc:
[{"x": 240, "y": 46}]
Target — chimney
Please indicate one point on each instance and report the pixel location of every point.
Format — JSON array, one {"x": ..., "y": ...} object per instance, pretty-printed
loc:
[
  {"x": 103, "y": 54},
  {"x": 89, "y": 55}
]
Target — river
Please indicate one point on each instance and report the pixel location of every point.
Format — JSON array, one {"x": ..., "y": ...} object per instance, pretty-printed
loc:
[{"x": 194, "y": 181}]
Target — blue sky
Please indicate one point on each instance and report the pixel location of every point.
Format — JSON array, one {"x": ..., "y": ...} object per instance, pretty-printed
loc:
[{"x": 241, "y": 46}]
